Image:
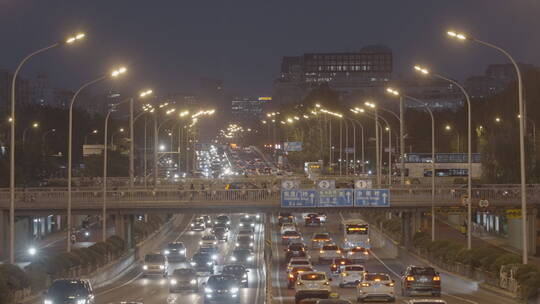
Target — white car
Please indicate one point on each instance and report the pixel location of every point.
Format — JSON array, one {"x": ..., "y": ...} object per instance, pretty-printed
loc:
[
  {"x": 358, "y": 254},
  {"x": 426, "y": 301},
  {"x": 376, "y": 286},
  {"x": 208, "y": 240},
  {"x": 293, "y": 262},
  {"x": 351, "y": 275},
  {"x": 319, "y": 239},
  {"x": 329, "y": 252},
  {"x": 288, "y": 227},
  {"x": 246, "y": 232},
  {"x": 312, "y": 284}
]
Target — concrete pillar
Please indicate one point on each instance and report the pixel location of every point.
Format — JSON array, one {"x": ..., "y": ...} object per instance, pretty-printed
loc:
[
  {"x": 406, "y": 229},
  {"x": 129, "y": 231},
  {"x": 4, "y": 237},
  {"x": 514, "y": 232},
  {"x": 119, "y": 225}
]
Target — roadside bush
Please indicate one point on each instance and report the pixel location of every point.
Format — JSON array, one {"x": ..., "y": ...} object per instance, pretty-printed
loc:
[
  {"x": 505, "y": 259},
  {"x": 6, "y": 294},
  {"x": 15, "y": 277}
]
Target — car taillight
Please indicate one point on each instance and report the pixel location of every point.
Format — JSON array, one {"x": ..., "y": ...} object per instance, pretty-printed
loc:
[
  {"x": 344, "y": 274},
  {"x": 334, "y": 266},
  {"x": 338, "y": 251},
  {"x": 365, "y": 284},
  {"x": 322, "y": 251},
  {"x": 436, "y": 278},
  {"x": 326, "y": 283},
  {"x": 291, "y": 276},
  {"x": 410, "y": 279},
  {"x": 366, "y": 253},
  {"x": 391, "y": 284},
  {"x": 299, "y": 283}
]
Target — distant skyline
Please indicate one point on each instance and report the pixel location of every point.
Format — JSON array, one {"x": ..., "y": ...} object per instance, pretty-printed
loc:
[{"x": 169, "y": 46}]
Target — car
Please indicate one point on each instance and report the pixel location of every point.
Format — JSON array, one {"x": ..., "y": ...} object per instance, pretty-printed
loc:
[
  {"x": 295, "y": 271},
  {"x": 295, "y": 250},
  {"x": 239, "y": 272},
  {"x": 198, "y": 224},
  {"x": 293, "y": 262},
  {"x": 208, "y": 240},
  {"x": 338, "y": 264},
  {"x": 224, "y": 219},
  {"x": 207, "y": 220},
  {"x": 244, "y": 241},
  {"x": 243, "y": 256},
  {"x": 312, "y": 219},
  {"x": 290, "y": 237},
  {"x": 203, "y": 262},
  {"x": 225, "y": 226},
  {"x": 221, "y": 233},
  {"x": 329, "y": 252},
  {"x": 247, "y": 222},
  {"x": 221, "y": 288},
  {"x": 287, "y": 227},
  {"x": 175, "y": 251},
  {"x": 375, "y": 286},
  {"x": 183, "y": 279},
  {"x": 358, "y": 254},
  {"x": 209, "y": 249},
  {"x": 425, "y": 301},
  {"x": 77, "y": 291},
  {"x": 285, "y": 217},
  {"x": 420, "y": 280},
  {"x": 246, "y": 232},
  {"x": 320, "y": 239},
  {"x": 322, "y": 217},
  {"x": 155, "y": 264},
  {"x": 351, "y": 275},
  {"x": 333, "y": 301},
  {"x": 315, "y": 284}
]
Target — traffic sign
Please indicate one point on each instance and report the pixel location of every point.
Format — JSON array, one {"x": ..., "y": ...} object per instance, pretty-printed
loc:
[
  {"x": 336, "y": 198},
  {"x": 465, "y": 199},
  {"x": 299, "y": 198},
  {"x": 372, "y": 198},
  {"x": 290, "y": 184},
  {"x": 293, "y": 146},
  {"x": 363, "y": 184},
  {"x": 326, "y": 184},
  {"x": 483, "y": 203}
]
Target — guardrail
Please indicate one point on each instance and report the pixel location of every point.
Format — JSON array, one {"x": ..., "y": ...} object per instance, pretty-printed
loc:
[{"x": 412, "y": 195}]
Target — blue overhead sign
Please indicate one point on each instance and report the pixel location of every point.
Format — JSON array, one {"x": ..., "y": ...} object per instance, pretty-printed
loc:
[
  {"x": 299, "y": 198},
  {"x": 372, "y": 198},
  {"x": 336, "y": 198},
  {"x": 292, "y": 146}
]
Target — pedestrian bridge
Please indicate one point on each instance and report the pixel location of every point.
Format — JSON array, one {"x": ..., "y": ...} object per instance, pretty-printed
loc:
[{"x": 45, "y": 201}]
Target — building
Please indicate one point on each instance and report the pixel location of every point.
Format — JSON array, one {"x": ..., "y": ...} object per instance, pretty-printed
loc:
[
  {"x": 23, "y": 90},
  {"x": 496, "y": 79},
  {"x": 352, "y": 74},
  {"x": 439, "y": 95},
  {"x": 249, "y": 108}
]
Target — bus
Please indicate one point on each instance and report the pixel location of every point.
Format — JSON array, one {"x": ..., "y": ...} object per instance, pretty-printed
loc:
[
  {"x": 312, "y": 169},
  {"x": 356, "y": 233},
  {"x": 448, "y": 167}
]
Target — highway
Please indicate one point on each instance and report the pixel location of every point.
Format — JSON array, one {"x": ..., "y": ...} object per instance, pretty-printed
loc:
[
  {"x": 455, "y": 289},
  {"x": 154, "y": 290}
]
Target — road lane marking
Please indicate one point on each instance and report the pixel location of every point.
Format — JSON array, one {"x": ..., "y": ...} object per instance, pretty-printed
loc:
[{"x": 274, "y": 238}]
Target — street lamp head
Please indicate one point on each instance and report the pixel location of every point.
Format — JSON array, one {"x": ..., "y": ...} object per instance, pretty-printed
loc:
[
  {"x": 53, "y": 130},
  {"x": 118, "y": 72},
  {"x": 392, "y": 91},
  {"x": 145, "y": 93},
  {"x": 370, "y": 104},
  {"x": 317, "y": 105},
  {"x": 121, "y": 130},
  {"x": 421, "y": 69},
  {"x": 456, "y": 35},
  {"x": 183, "y": 113},
  {"x": 35, "y": 125},
  {"x": 75, "y": 38},
  {"x": 448, "y": 127},
  {"x": 95, "y": 131},
  {"x": 497, "y": 119}
]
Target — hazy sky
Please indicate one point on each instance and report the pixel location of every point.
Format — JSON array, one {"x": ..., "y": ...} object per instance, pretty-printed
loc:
[{"x": 169, "y": 45}]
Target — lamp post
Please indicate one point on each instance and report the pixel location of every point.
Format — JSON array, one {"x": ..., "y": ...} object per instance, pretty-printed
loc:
[
  {"x": 396, "y": 93},
  {"x": 69, "y": 40},
  {"x": 372, "y": 105},
  {"x": 425, "y": 71},
  {"x": 448, "y": 128},
  {"x": 114, "y": 74},
  {"x": 94, "y": 132},
  {"x": 377, "y": 156},
  {"x": 34, "y": 125},
  {"x": 120, "y": 131},
  {"x": 522, "y": 128},
  {"x": 44, "y": 137}
]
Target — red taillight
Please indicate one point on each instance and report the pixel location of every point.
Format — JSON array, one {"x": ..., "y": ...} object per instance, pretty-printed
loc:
[
  {"x": 410, "y": 279},
  {"x": 436, "y": 278},
  {"x": 391, "y": 284},
  {"x": 365, "y": 284},
  {"x": 291, "y": 276}
]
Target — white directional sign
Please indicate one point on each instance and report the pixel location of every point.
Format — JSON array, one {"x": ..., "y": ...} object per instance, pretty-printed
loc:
[
  {"x": 483, "y": 203},
  {"x": 327, "y": 184},
  {"x": 363, "y": 184},
  {"x": 290, "y": 184}
]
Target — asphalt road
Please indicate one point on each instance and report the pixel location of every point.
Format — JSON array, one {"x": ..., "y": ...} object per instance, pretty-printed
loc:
[
  {"x": 133, "y": 287},
  {"x": 455, "y": 289}
]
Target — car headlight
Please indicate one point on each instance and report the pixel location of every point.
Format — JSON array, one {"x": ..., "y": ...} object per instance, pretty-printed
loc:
[
  {"x": 215, "y": 243},
  {"x": 244, "y": 276},
  {"x": 250, "y": 258},
  {"x": 252, "y": 225},
  {"x": 183, "y": 251},
  {"x": 208, "y": 290},
  {"x": 251, "y": 244},
  {"x": 234, "y": 290},
  {"x": 145, "y": 267},
  {"x": 161, "y": 267},
  {"x": 252, "y": 237},
  {"x": 193, "y": 282},
  {"x": 193, "y": 263},
  {"x": 237, "y": 244},
  {"x": 200, "y": 243},
  {"x": 258, "y": 216},
  {"x": 214, "y": 257},
  {"x": 81, "y": 301},
  {"x": 192, "y": 224},
  {"x": 229, "y": 222},
  {"x": 208, "y": 263},
  {"x": 174, "y": 282},
  {"x": 233, "y": 258},
  {"x": 167, "y": 252},
  {"x": 241, "y": 224},
  {"x": 47, "y": 301}
]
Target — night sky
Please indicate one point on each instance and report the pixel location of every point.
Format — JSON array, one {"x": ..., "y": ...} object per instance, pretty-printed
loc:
[{"x": 169, "y": 45}]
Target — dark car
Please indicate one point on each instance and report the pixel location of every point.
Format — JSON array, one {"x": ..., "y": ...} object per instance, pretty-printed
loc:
[
  {"x": 223, "y": 219},
  {"x": 225, "y": 226},
  {"x": 183, "y": 279},
  {"x": 338, "y": 264},
  {"x": 176, "y": 251},
  {"x": 244, "y": 241},
  {"x": 221, "y": 288},
  {"x": 312, "y": 219},
  {"x": 420, "y": 280},
  {"x": 290, "y": 236},
  {"x": 296, "y": 250},
  {"x": 203, "y": 262},
  {"x": 239, "y": 272},
  {"x": 198, "y": 225},
  {"x": 69, "y": 291},
  {"x": 208, "y": 220},
  {"x": 243, "y": 256},
  {"x": 221, "y": 233},
  {"x": 285, "y": 217},
  {"x": 247, "y": 222}
]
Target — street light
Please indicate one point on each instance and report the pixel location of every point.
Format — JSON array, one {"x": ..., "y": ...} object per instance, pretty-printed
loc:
[
  {"x": 377, "y": 156},
  {"x": 425, "y": 71},
  {"x": 94, "y": 132},
  {"x": 34, "y": 125},
  {"x": 12, "y": 141},
  {"x": 401, "y": 132},
  {"x": 497, "y": 119},
  {"x": 423, "y": 104},
  {"x": 113, "y": 74},
  {"x": 121, "y": 130},
  {"x": 522, "y": 129},
  {"x": 448, "y": 128}
]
